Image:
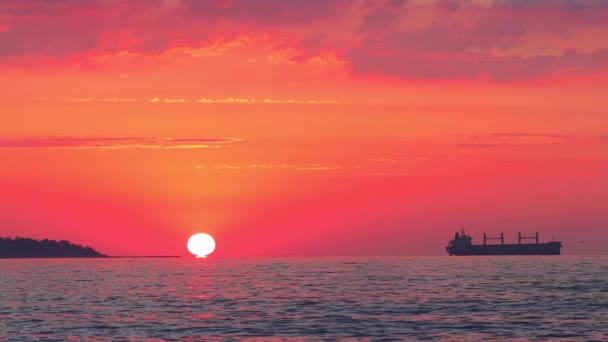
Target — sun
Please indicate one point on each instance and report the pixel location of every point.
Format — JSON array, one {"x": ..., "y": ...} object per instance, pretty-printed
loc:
[{"x": 201, "y": 245}]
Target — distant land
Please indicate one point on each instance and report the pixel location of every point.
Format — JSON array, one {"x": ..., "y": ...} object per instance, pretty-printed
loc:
[{"x": 20, "y": 247}]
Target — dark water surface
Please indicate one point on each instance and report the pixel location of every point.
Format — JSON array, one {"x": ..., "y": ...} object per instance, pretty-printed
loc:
[{"x": 423, "y": 298}]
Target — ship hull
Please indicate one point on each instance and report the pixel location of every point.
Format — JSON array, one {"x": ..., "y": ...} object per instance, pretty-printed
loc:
[{"x": 550, "y": 248}]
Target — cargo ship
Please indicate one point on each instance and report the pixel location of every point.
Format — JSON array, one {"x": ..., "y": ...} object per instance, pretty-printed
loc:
[{"x": 463, "y": 245}]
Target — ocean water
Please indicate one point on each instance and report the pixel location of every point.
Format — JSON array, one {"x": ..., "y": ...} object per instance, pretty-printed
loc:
[{"x": 422, "y": 298}]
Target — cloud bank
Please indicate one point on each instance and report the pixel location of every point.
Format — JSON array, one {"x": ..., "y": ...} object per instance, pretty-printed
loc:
[{"x": 503, "y": 40}]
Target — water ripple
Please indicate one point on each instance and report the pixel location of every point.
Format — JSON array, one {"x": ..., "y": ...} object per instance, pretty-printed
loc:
[{"x": 380, "y": 299}]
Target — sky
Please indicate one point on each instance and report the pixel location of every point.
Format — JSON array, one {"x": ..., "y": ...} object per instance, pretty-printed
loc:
[{"x": 303, "y": 127}]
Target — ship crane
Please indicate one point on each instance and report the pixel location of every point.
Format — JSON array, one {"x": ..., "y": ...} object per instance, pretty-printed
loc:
[
  {"x": 521, "y": 237},
  {"x": 501, "y": 238}
]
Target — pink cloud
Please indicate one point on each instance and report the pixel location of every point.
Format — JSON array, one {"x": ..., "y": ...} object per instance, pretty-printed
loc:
[
  {"x": 264, "y": 12},
  {"x": 102, "y": 143},
  {"x": 426, "y": 40},
  {"x": 526, "y": 140},
  {"x": 464, "y": 40},
  {"x": 5, "y": 24}
]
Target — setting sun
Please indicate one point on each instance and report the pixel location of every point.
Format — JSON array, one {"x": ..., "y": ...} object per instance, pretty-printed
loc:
[{"x": 201, "y": 245}]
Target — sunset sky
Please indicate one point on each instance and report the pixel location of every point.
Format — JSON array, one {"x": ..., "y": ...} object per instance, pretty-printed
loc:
[{"x": 303, "y": 127}]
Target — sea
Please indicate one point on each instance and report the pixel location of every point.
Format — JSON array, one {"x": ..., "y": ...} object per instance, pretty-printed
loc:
[{"x": 552, "y": 298}]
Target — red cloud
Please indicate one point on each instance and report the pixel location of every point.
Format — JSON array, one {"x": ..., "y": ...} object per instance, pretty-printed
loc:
[{"x": 432, "y": 40}]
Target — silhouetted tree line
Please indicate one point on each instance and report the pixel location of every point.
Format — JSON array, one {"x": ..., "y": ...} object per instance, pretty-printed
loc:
[{"x": 29, "y": 248}]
